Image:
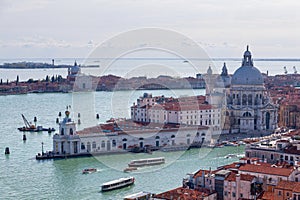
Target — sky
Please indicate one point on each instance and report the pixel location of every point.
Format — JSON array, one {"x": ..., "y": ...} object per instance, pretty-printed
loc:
[{"x": 74, "y": 28}]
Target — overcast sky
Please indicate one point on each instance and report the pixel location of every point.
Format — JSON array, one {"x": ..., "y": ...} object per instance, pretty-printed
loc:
[{"x": 72, "y": 28}]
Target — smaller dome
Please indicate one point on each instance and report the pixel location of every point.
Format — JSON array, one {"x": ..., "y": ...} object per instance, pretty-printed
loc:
[{"x": 75, "y": 69}]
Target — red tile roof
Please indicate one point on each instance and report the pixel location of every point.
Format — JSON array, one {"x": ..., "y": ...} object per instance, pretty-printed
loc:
[
  {"x": 264, "y": 168},
  {"x": 184, "y": 194},
  {"x": 289, "y": 185}
]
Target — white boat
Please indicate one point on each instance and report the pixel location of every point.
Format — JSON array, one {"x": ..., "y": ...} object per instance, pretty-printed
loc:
[
  {"x": 89, "y": 170},
  {"x": 147, "y": 162},
  {"x": 116, "y": 184},
  {"x": 138, "y": 196},
  {"x": 130, "y": 169},
  {"x": 231, "y": 156}
]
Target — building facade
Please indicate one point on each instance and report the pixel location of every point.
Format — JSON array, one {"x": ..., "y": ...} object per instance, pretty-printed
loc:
[{"x": 248, "y": 106}]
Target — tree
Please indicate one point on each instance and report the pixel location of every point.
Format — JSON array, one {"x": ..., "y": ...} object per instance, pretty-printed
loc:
[
  {"x": 17, "y": 81},
  {"x": 1, "y": 82},
  {"x": 47, "y": 78},
  {"x": 7, "y": 82},
  {"x": 52, "y": 79}
]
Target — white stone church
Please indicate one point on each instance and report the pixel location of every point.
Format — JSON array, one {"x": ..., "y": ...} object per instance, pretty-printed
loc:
[{"x": 247, "y": 106}]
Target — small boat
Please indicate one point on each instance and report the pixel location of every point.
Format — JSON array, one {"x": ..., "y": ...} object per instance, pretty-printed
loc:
[
  {"x": 231, "y": 144},
  {"x": 138, "y": 196},
  {"x": 32, "y": 128},
  {"x": 117, "y": 184},
  {"x": 89, "y": 170},
  {"x": 147, "y": 162},
  {"x": 231, "y": 156},
  {"x": 130, "y": 169}
]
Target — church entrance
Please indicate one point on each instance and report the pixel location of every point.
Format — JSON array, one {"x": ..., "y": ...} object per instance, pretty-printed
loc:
[{"x": 267, "y": 120}]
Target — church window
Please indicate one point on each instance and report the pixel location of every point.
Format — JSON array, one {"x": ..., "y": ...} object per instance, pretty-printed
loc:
[
  {"x": 94, "y": 145},
  {"x": 244, "y": 99},
  {"x": 250, "y": 99},
  {"x": 102, "y": 144}
]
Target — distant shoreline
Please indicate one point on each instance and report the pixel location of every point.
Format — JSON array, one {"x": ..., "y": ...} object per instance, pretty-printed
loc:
[{"x": 37, "y": 65}]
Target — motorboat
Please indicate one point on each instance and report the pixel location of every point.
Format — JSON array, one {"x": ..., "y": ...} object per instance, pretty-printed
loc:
[
  {"x": 147, "y": 162},
  {"x": 89, "y": 170},
  {"x": 117, "y": 184}
]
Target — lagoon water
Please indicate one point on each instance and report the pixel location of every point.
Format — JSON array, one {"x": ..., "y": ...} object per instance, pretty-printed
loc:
[
  {"x": 23, "y": 177},
  {"x": 129, "y": 67}
]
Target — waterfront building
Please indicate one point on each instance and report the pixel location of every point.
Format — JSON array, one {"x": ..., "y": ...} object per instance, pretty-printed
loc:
[
  {"x": 193, "y": 110},
  {"x": 119, "y": 136},
  {"x": 246, "y": 179},
  {"x": 249, "y": 107},
  {"x": 284, "y": 149}
]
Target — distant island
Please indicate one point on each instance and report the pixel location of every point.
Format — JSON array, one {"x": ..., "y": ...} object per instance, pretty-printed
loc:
[{"x": 35, "y": 65}]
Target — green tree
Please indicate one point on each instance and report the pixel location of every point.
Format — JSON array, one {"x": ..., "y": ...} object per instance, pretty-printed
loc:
[{"x": 17, "y": 81}]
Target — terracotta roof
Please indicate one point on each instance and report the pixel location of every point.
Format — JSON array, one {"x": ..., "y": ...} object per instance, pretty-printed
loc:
[
  {"x": 184, "y": 194},
  {"x": 247, "y": 177},
  {"x": 231, "y": 177},
  {"x": 267, "y": 196},
  {"x": 289, "y": 185},
  {"x": 128, "y": 126},
  {"x": 200, "y": 172},
  {"x": 264, "y": 168}
]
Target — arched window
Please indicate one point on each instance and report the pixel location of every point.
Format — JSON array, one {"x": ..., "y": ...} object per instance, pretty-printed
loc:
[
  {"x": 247, "y": 114},
  {"x": 173, "y": 136},
  {"x": 88, "y": 146},
  {"x": 71, "y": 131},
  {"x": 94, "y": 145},
  {"x": 124, "y": 140},
  {"x": 249, "y": 99},
  {"x": 244, "y": 99},
  {"x": 62, "y": 131},
  {"x": 114, "y": 143},
  {"x": 157, "y": 137},
  {"x": 102, "y": 144}
]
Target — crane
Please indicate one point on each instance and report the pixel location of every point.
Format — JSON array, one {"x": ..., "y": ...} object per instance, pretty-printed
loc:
[
  {"x": 285, "y": 70},
  {"x": 295, "y": 70},
  {"x": 27, "y": 124}
]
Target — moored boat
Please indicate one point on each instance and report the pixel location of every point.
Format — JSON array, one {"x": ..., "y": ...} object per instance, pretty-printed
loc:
[
  {"x": 130, "y": 169},
  {"x": 231, "y": 156},
  {"x": 32, "y": 128},
  {"x": 138, "y": 196},
  {"x": 89, "y": 170},
  {"x": 147, "y": 162},
  {"x": 116, "y": 184}
]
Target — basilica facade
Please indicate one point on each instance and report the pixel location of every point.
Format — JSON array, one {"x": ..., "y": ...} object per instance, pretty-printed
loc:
[{"x": 247, "y": 106}]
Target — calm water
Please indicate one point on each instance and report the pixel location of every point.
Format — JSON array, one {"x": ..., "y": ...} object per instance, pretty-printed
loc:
[
  {"x": 22, "y": 177},
  {"x": 143, "y": 67}
]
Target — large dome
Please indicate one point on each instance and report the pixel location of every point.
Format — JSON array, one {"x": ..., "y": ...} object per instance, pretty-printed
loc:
[{"x": 247, "y": 74}]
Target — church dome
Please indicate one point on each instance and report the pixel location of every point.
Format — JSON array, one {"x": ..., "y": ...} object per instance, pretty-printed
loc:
[
  {"x": 247, "y": 74},
  {"x": 75, "y": 69}
]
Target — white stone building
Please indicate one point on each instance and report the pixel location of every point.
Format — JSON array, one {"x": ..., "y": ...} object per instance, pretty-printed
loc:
[
  {"x": 123, "y": 135},
  {"x": 249, "y": 107},
  {"x": 186, "y": 110}
]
